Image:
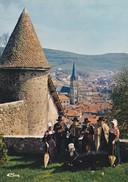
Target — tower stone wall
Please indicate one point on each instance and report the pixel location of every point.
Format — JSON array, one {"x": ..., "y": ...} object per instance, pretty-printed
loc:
[
  {"x": 34, "y": 90},
  {"x": 52, "y": 110},
  {"x": 13, "y": 118},
  {"x": 32, "y": 87}
]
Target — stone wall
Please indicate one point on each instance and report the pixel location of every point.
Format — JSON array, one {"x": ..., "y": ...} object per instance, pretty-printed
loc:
[
  {"x": 52, "y": 110},
  {"x": 32, "y": 87},
  {"x": 13, "y": 119},
  {"x": 34, "y": 90},
  {"x": 25, "y": 144}
]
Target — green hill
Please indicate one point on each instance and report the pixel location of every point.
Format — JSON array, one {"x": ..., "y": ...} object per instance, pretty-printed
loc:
[{"x": 64, "y": 60}]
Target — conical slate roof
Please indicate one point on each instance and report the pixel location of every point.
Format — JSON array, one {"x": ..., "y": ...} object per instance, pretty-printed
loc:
[{"x": 23, "y": 49}]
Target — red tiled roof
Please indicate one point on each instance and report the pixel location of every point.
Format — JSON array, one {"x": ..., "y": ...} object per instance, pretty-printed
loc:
[
  {"x": 72, "y": 113},
  {"x": 63, "y": 97},
  {"x": 67, "y": 120}
]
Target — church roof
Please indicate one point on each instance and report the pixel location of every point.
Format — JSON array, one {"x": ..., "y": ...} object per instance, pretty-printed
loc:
[
  {"x": 23, "y": 49},
  {"x": 63, "y": 89}
]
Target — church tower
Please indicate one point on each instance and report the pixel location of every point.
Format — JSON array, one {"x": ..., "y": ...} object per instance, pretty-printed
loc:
[{"x": 73, "y": 86}]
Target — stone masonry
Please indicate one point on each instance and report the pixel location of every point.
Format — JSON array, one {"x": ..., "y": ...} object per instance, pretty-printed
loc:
[
  {"x": 31, "y": 87},
  {"x": 13, "y": 119},
  {"x": 25, "y": 144}
]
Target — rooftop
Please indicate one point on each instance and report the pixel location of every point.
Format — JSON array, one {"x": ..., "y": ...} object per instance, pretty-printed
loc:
[{"x": 63, "y": 97}]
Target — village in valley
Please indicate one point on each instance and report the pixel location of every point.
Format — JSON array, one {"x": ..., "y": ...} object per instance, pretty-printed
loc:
[{"x": 85, "y": 95}]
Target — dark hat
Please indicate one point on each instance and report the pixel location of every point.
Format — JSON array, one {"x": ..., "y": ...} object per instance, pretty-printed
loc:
[
  {"x": 101, "y": 119},
  {"x": 59, "y": 118},
  {"x": 75, "y": 119},
  {"x": 86, "y": 120}
]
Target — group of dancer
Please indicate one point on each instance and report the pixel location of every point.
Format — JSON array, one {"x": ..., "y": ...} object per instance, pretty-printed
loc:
[{"x": 74, "y": 139}]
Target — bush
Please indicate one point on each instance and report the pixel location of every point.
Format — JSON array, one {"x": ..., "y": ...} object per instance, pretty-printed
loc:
[
  {"x": 124, "y": 133},
  {"x": 119, "y": 97},
  {"x": 3, "y": 152}
]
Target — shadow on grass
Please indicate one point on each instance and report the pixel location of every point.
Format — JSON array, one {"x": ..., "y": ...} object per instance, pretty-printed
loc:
[
  {"x": 36, "y": 162},
  {"x": 26, "y": 161}
]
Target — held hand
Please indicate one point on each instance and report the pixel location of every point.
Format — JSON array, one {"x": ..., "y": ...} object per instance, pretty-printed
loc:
[
  {"x": 47, "y": 144},
  {"x": 86, "y": 131},
  {"x": 113, "y": 142},
  {"x": 61, "y": 130}
]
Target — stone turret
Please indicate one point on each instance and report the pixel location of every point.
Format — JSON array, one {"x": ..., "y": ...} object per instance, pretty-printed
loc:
[{"x": 24, "y": 74}]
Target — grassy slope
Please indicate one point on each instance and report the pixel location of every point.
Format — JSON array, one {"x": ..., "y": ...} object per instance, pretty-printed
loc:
[{"x": 30, "y": 170}]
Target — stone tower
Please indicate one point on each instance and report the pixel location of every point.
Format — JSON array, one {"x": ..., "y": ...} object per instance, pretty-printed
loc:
[
  {"x": 24, "y": 74},
  {"x": 73, "y": 86}
]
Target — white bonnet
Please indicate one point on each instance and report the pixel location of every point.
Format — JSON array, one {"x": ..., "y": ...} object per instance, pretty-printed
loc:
[
  {"x": 71, "y": 146},
  {"x": 49, "y": 124},
  {"x": 115, "y": 122}
]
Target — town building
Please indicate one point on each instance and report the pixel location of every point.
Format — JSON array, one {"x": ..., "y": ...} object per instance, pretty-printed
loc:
[{"x": 65, "y": 100}]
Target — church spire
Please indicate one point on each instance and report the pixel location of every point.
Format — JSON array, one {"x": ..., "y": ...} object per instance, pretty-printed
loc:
[
  {"x": 73, "y": 77},
  {"x": 73, "y": 86}
]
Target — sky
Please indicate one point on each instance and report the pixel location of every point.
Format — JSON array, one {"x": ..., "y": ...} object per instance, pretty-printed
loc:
[{"x": 81, "y": 26}]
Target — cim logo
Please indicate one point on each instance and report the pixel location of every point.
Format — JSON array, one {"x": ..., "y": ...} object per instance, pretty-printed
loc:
[{"x": 13, "y": 175}]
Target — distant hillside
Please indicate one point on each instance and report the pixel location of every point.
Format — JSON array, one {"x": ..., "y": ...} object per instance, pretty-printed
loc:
[{"x": 64, "y": 60}]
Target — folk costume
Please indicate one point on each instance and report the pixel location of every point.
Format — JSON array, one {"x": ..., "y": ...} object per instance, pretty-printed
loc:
[
  {"x": 114, "y": 144},
  {"x": 75, "y": 131},
  {"x": 59, "y": 129},
  {"x": 101, "y": 132},
  {"x": 72, "y": 162},
  {"x": 50, "y": 142},
  {"x": 88, "y": 134}
]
